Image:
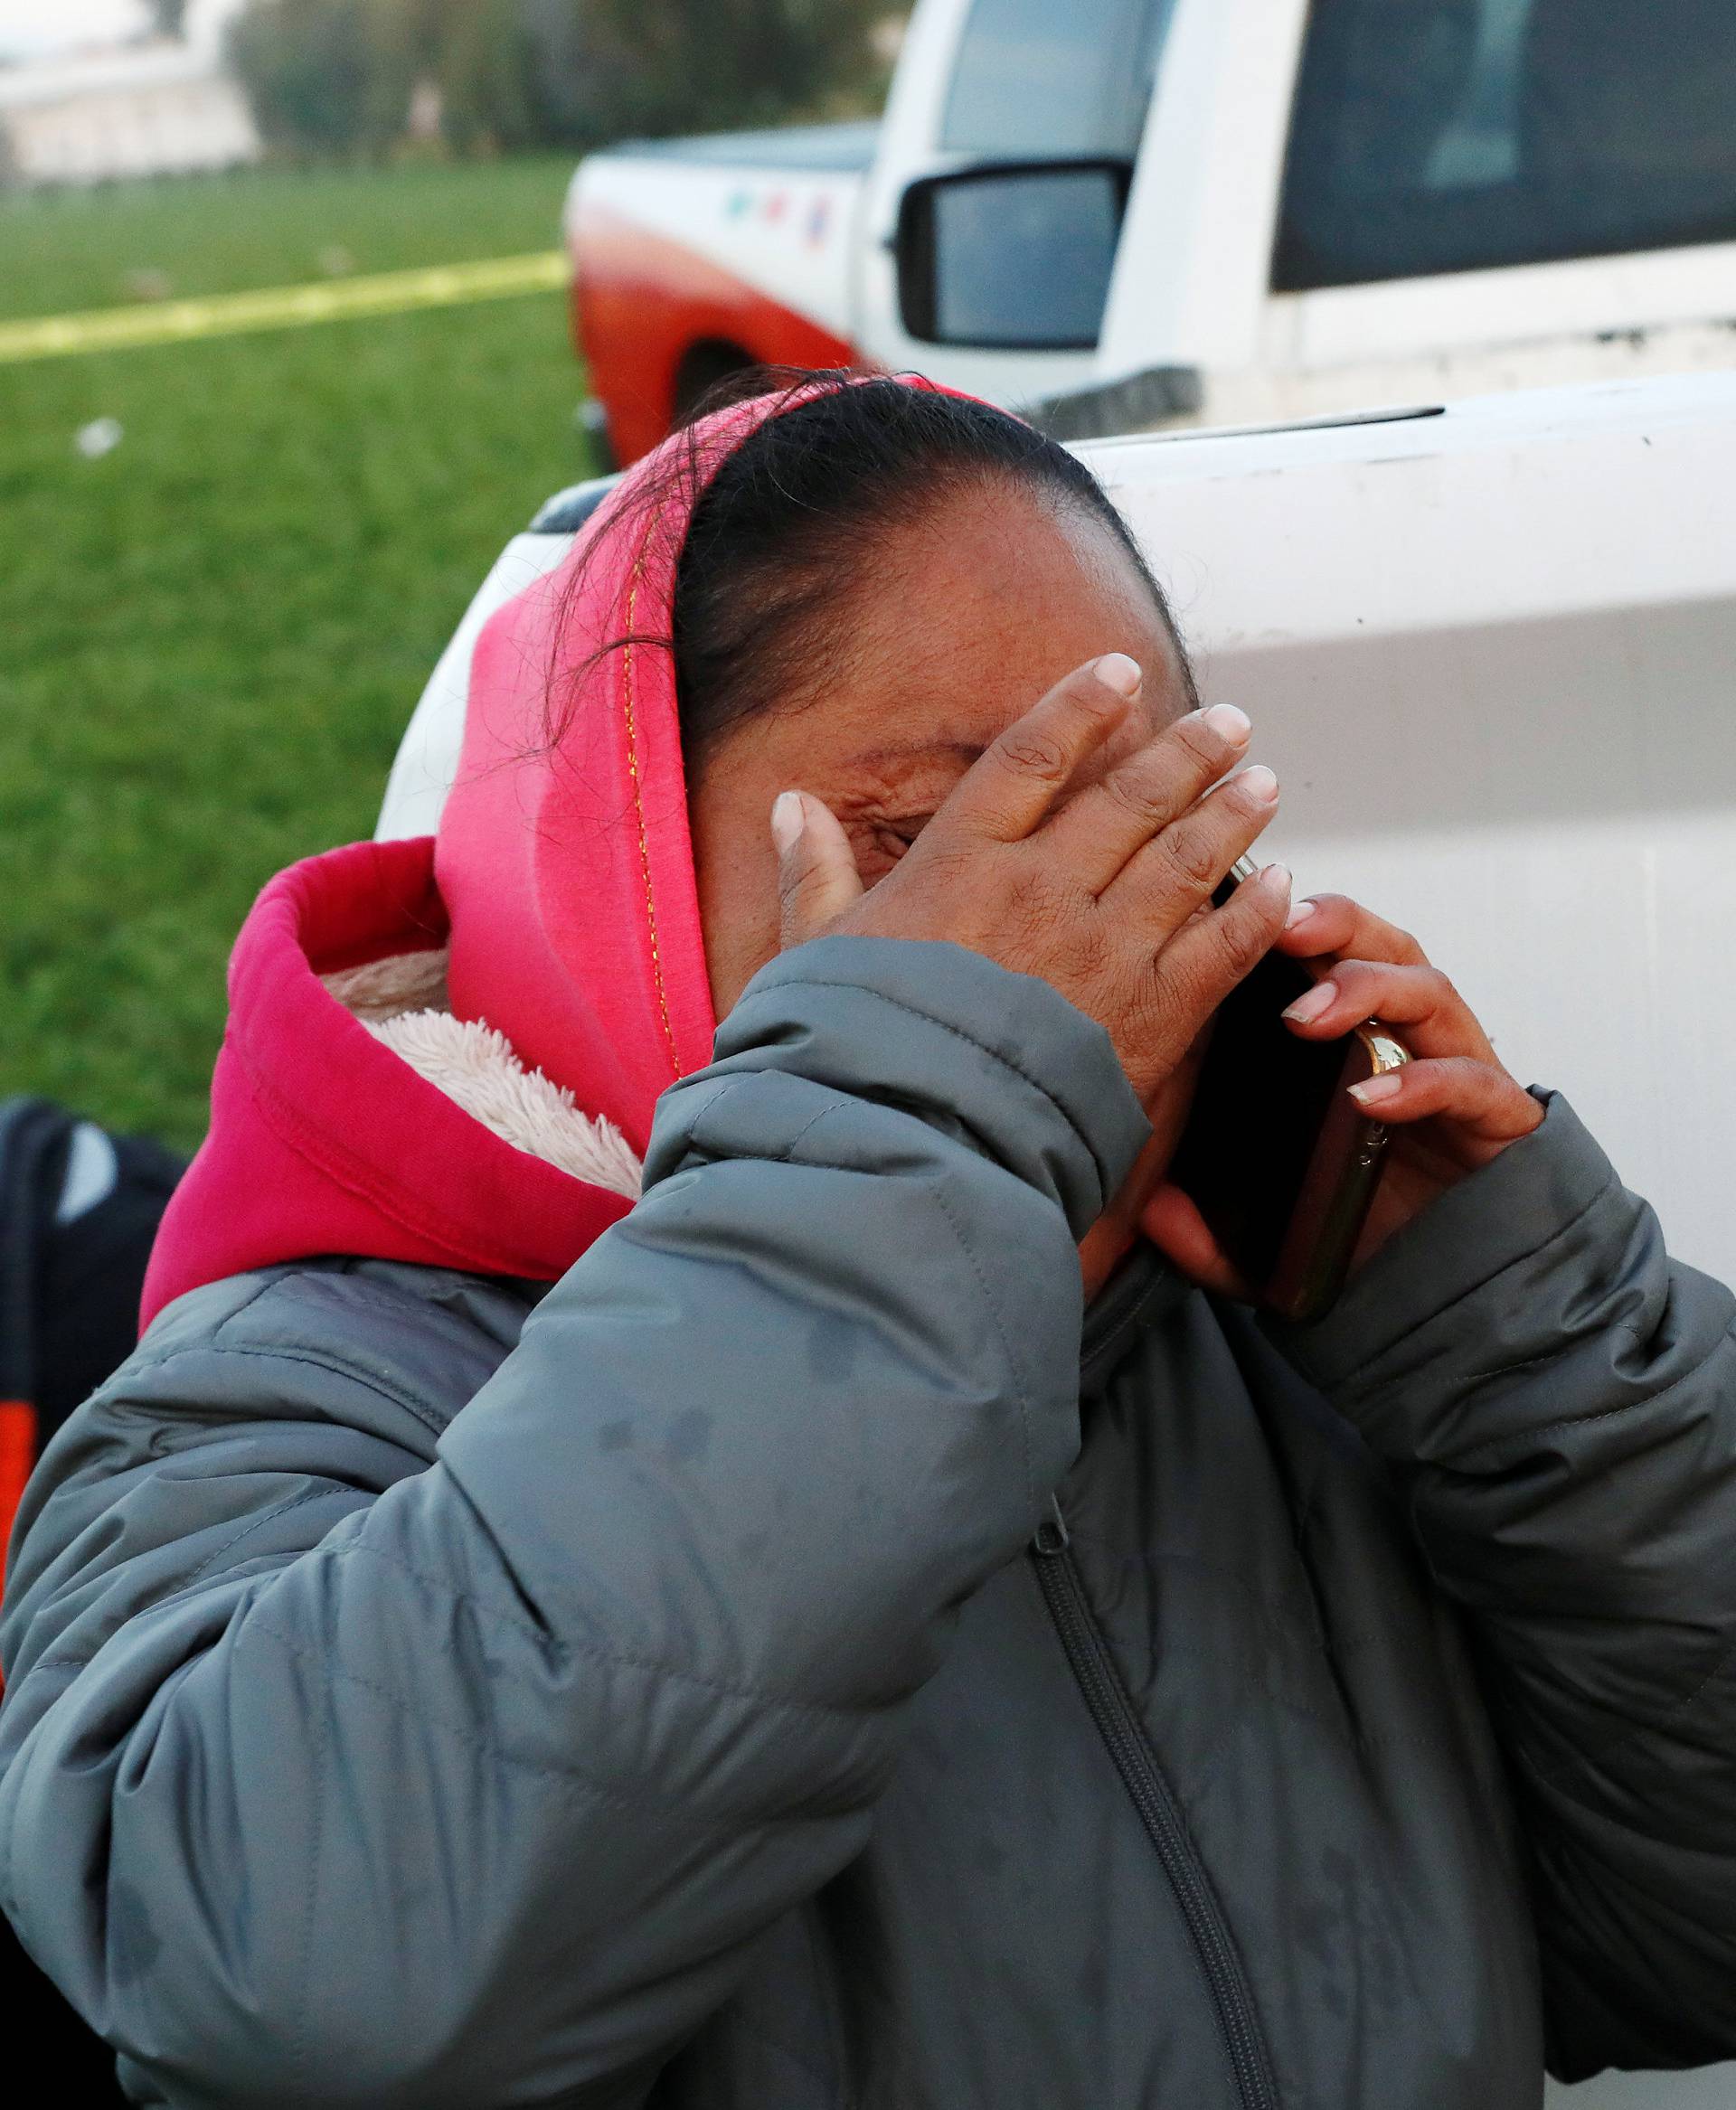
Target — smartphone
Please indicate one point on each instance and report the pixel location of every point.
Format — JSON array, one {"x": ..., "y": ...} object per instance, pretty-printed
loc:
[{"x": 1279, "y": 1159}]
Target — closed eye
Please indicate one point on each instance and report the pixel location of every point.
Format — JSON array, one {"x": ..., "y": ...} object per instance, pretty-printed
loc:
[{"x": 880, "y": 845}]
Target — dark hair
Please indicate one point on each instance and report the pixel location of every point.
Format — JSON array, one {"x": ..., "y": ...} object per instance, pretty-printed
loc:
[{"x": 783, "y": 537}]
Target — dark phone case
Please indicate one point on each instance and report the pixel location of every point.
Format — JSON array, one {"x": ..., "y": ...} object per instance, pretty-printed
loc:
[{"x": 1280, "y": 1161}]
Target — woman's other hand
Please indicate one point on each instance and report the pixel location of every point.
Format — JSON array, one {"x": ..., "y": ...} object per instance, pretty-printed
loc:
[
  {"x": 1454, "y": 1105},
  {"x": 1094, "y": 875},
  {"x": 1452, "y": 1109}
]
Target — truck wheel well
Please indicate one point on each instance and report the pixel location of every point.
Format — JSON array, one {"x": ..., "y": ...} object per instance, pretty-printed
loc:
[{"x": 705, "y": 365}]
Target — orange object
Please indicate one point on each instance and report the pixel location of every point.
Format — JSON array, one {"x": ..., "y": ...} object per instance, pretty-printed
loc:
[{"x": 17, "y": 1455}]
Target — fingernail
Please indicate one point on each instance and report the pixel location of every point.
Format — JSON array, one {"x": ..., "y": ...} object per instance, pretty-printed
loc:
[
  {"x": 1258, "y": 784},
  {"x": 788, "y": 820},
  {"x": 1299, "y": 914},
  {"x": 1276, "y": 878},
  {"x": 1116, "y": 671},
  {"x": 1312, "y": 1004},
  {"x": 1373, "y": 1089},
  {"x": 1227, "y": 722}
]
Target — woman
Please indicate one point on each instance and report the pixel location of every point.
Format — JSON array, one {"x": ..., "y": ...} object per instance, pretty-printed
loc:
[{"x": 860, "y": 1624}]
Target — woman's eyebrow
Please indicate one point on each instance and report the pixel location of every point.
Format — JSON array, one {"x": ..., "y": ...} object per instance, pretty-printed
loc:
[{"x": 922, "y": 750}]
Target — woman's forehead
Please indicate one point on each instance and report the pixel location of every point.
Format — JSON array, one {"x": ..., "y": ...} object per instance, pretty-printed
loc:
[{"x": 976, "y": 613}]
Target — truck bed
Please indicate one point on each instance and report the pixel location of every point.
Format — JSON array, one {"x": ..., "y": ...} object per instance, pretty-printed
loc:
[{"x": 828, "y": 149}]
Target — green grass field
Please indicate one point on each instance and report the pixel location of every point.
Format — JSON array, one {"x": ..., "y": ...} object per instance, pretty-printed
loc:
[{"x": 210, "y": 637}]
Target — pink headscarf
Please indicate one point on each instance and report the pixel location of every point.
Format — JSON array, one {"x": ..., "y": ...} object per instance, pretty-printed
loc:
[{"x": 562, "y": 881}]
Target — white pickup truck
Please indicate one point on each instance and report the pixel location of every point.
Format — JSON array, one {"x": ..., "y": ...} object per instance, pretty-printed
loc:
[
  {"x": 1489, "y": 650},
  {"x": 1197, "y": 210}
]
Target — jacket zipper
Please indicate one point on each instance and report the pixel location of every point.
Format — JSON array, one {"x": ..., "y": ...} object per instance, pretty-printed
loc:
[{"x": 1120, "y": 1725}]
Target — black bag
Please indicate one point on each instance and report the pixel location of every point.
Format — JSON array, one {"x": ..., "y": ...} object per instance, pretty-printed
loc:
[{"x": 78, "y": 1209}]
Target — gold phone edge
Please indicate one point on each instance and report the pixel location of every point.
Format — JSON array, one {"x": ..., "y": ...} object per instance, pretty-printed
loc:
[
  {"x": 1325, "y": 1280},
  {"x": 1386, "y": 1052}
]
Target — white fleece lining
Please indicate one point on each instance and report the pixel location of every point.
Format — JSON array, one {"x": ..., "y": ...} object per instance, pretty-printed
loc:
[{"x": 403, "y": 1004}]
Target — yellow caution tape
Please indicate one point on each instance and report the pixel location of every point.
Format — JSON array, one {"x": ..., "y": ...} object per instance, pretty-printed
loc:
[{"x": 281, "y": 307}]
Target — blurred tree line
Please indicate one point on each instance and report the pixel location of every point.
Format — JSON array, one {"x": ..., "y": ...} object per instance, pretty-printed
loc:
[{"x": 341, "y": 77}]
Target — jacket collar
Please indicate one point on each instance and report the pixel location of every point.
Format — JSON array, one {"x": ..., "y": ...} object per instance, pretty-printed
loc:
[{"x": 1143, "y": 1291}]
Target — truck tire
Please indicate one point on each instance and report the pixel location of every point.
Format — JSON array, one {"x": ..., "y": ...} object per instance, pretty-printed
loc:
[{"x": 702, "y": 365}]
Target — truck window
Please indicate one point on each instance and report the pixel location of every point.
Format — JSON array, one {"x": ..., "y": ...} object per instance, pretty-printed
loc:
[
  {"x": 1055, "y": 77},
  {"x": 1433, "y": 135}
]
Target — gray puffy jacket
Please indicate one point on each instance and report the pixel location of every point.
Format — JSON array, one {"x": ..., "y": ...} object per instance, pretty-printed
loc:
[{"x": 780, "y": 1669}]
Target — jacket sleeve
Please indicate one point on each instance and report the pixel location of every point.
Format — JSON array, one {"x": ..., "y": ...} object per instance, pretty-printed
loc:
[
  {"x": 1556, "y": 1400},
  {"x": 342, "y": 1766}
]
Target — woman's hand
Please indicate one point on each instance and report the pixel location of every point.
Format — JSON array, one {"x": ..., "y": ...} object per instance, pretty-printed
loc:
[
  {"x": 1098, "y": 880},
  {"x": 1452, "y": 1109}
]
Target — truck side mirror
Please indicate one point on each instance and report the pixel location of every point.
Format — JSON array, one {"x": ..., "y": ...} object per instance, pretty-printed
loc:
[{"x": 1013, "y": 257}]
